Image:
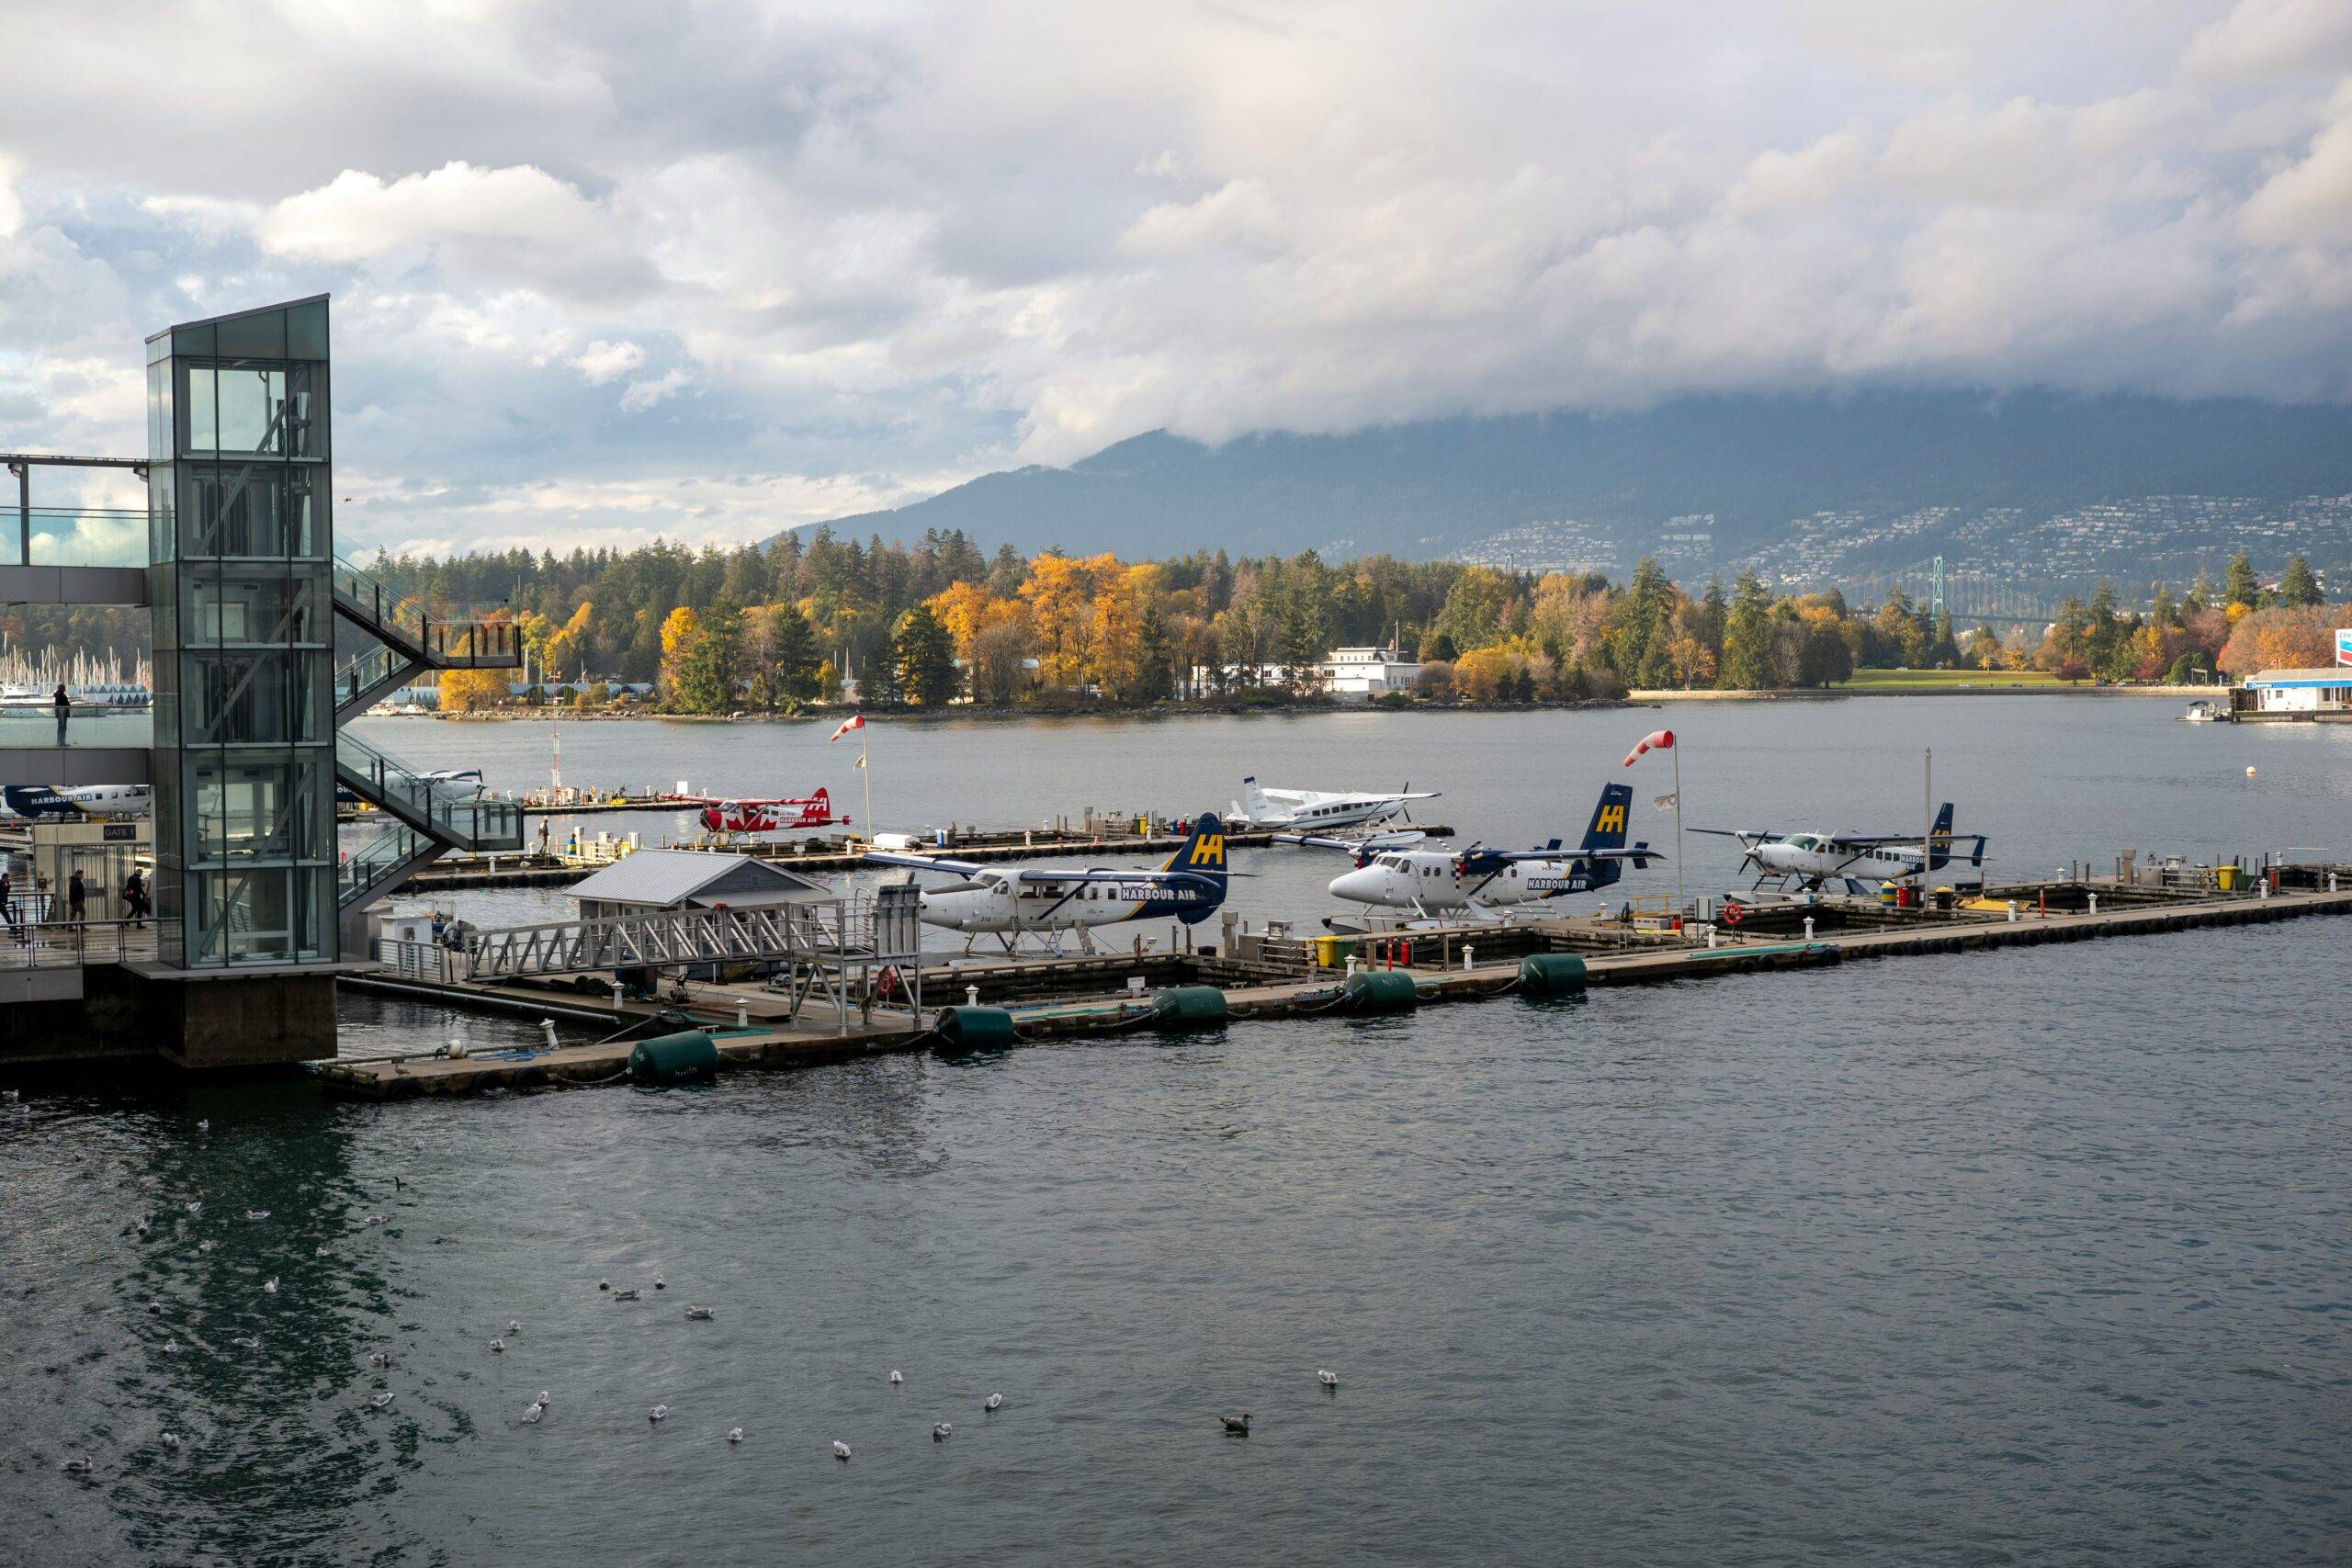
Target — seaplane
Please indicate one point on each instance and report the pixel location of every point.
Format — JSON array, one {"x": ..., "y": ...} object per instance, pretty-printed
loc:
[
  {"x": 1858, "y": 860},
  {"x": 39, "y": 802},
  {"x": 778, "y": 816},
  {"x": 1450, "y": 886},
  {"x": 1049, "y": 903},
  {"x": 1317, "y": 811}
]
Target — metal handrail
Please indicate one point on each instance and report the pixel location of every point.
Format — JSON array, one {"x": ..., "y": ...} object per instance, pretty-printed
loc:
[
  {"x": 461, "y": 818},
  {"x": 401, "y": 613},
  {"x": 52, "y": 943}
]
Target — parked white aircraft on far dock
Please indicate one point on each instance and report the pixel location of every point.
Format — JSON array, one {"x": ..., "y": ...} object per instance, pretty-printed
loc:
[{"x": 1318, "y": 811}]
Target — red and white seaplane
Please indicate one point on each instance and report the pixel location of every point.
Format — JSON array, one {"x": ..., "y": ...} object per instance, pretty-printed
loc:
[{"x": 770, "y": 816}]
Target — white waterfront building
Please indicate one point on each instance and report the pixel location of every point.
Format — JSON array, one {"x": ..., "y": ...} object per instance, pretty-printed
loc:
[{"x": 1368, "y": 672}]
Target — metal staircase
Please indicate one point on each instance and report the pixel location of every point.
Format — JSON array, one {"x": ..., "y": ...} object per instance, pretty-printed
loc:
[{"x": 428, "y": 817}]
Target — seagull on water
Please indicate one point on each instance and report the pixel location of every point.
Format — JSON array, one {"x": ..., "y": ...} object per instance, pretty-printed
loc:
[
  {"x": 700, "y": 1314},
  {"x": 171, "y": 1347},
  {"x": 171, "y": 1439},
  {"x": 379, "y": 1218},
  {"x": 142, "y": 1225},
  {"x": 841, "y": 1450},
  {"x": 204, "y": 1125},
  {"x": 514, "y": 1326},
  {"x": 1236, "y": 1425},
  {"x": 624, "y": 1295},
  {"x": 195, "y": 1205},
  {"x": 1327, "y": 1378},
  {"x": 381, "y": 1399},
  {"x": 256, "y": 1213},
  {"x": 658, "y": 1284},
  {"x": 379, "y": 1359},
  {"x": 203, "y": 1246},
  {"x": 247, "y": 1342},
  {"x": 895, "y": 1378},
  {"x": 531, "y": 1415},
  {"x": 154, "y": 1307},
  {"x": 939, "y": 1431},
  {"x": 545, "y": 1398},
  {"x": 15, "y": 1095},
  {"x": 318, "y": 1252},
  {"x": 992, "y": 1402},
  {"x": 658, "y": 1411},
  {"x": 735, "y": 1434},
  {"x": 269, "y": 1286},
  {"x": 82, "y": 1466},
  {"x": 496, "y": 1346}
]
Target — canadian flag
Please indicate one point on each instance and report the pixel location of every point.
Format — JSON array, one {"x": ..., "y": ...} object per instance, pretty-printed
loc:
[
  {"x": 1656, "y": 741},
  {"x": 856, "y": 721}
]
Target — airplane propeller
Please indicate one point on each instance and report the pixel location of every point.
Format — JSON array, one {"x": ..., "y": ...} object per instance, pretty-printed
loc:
[{"x": 1407, "y": 804}]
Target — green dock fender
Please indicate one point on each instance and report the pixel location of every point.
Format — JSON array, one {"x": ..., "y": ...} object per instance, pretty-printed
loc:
[
  {"x": 974, "y": 1029},
  {"x": 673, "y": 1058},
  {"x": 1187, "y": 1007},
  {"x": 1552, "y": 975},
  {"x": 1380, "y": 991}
]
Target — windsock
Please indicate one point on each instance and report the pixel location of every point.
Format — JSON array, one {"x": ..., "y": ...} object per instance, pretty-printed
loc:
[{"x": 1656, "y": 741}]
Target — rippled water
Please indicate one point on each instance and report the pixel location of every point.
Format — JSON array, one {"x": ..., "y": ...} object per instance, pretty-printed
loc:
[{"x": 2034, "y": 1257}]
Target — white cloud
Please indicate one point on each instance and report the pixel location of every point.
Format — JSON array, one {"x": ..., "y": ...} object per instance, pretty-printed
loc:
[
  {"x": 642, "y": 395},
  {"x": 355, "y": 215},
  {"x": 602, "y": 362},
  {"x": 2311, "y": 201},
  {"x": 2260, "y": 39}
]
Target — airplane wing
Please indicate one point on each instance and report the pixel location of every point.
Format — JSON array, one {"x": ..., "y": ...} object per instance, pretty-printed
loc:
[
  {"x": 1478, "y": 859},
  {"x": 1745, "y": 835},
  {"x": 1047, "y": 875},
  {"x": 963, "y": 868},
  {"x": 1375, "y": 844}
]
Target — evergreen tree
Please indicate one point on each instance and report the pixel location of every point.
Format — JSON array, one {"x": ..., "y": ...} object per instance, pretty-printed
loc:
[
  {"x": 923, "y": 658},
  {"x": 2199, "y": 595},
  {"x": 2239, "y": 586},
  {"x": 1155, "y": 657},
  {"x": 2297, "y": 587},
  {"x": 1746, "y": 664},
  {"x": 794, "y": 653},
  {"x": 707, "y": 668}
]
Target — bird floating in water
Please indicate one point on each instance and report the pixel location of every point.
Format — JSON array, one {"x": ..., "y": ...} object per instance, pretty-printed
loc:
[
  {"x": 247, "y": 1342},
  {"x": 514, "y": 1326},
  {"x": 496, "y": 1346},
  {"x": 142, "y": 1225},
  {"x": 171, "y": 1347},
  {"x": 82, "y": 1466},
  {"x": 1238, "y": 1425},
  {"x": 204, "y": 1125},
  {"x": 603, "y": 1284},
  {"x": 318, "y": 1252},
  {"x": 545, "y": 1398},
  {"x": 381, "y": 1399},
  {"x": 531, "y": 1415},
  {"x": 269, "y": 1286},
  {"x": 658, "y": 1411},
  {"x": 154, "y": 1307},
  {"x": 15, "y": 1095},
  {"x": 171, "y": 1439},
  {"x": 1327, "y": 1378},
  {"x": 658, "y": 1283},
  {"x": 699, "y": 1313},
  {"x": 735, "y": 1434},
  {"x": 379, "y": 1359},
  {"x": 204, "y": 1247},
  {"x": 895, "y": 1378},
  {"x": 993, "y": 1402},
  {"x": 195, "y": 1205},
  {"x": 841, "y": 1450},
  {"x": 939, "y": 1431},
  {"x": 624, "y": 1295},
  {"x": 256, "y": 1213},
  {"x": 379, "y": 1218}
]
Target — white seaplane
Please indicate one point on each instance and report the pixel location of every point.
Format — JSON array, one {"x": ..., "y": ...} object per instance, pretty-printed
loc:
[
  {"x": 1450, "y": 886},
  {"x": 1318, "y": 811},
  {"x": 1858, "y": 860},
  {"x": 987, "y": 900}
]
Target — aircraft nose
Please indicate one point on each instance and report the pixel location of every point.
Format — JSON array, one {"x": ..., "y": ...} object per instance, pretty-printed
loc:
[{"x": 1356, "y": 884}]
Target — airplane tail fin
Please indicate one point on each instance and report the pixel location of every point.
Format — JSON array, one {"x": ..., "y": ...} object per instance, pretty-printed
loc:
[
  {"x": 1204, "y": 850},
  {"x": 1608, "y": 832},
  {"x": 821, "y": 800},
  {"x": 1254, "y": 802},
  {"x": 1939, "y": 839}
]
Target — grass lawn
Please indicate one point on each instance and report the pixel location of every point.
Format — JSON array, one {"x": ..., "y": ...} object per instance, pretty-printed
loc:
[{"x": 1944, "y": 680}]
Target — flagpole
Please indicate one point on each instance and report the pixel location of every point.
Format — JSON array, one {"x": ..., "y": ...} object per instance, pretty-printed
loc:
[
  {"x": 1678, "y": 824},
  {"x": 867, "y": 775}
]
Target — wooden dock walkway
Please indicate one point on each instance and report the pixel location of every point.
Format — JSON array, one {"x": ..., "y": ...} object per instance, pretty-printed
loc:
[{"x": 1090, "y": 996}]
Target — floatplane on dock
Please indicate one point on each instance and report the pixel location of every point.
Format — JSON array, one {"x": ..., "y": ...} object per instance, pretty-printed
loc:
[{"x": 1051, "y": 903}]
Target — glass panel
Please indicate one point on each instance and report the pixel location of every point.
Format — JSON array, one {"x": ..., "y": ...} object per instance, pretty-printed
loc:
[
  {"x": 261, "y": 335},
  {"x": 200, "y": 340},
  {"x": 306, "y": 331},
  {"x": 306, "y": 417},
  {"x": 199, "y": 431},
  {"x": 308, "y": 506},
  {"x": 238, "y": 510},
  {"x": 242, "y": 605},
  {"x": 88, "y": 536},
  {"x": 253, "y": 409}
]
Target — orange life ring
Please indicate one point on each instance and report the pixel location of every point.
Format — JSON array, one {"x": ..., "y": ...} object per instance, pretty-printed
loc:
[
  {"x": 888, "y": 980},
  {"x": 1735, "y": 913}
]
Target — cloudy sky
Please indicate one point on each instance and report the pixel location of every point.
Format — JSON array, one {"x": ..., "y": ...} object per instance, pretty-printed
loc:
[{"x": 607, "y": 271}]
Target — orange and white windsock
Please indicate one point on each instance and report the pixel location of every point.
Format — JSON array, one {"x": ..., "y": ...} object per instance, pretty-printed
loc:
[
  {"x": 856, "y": 721},
  {"x": 1656, "y": 741}
]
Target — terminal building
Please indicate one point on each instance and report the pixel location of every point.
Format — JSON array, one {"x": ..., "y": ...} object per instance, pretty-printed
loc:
[{"x": 265, "y": 644}]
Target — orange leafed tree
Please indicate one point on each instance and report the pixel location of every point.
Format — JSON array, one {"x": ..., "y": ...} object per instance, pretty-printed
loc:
[
  {"x": 2284, "y": 639},
  {"x": 470, "y": 691}
]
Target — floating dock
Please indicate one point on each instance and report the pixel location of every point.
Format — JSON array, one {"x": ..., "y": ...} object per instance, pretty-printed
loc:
[{"x": 1274, "y": 976}]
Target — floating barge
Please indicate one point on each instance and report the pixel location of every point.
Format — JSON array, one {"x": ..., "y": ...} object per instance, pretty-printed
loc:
[{"x": 1016, "y": 1000}]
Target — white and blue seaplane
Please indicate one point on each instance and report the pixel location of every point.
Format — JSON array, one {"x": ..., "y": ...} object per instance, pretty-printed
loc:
[
  {"x": 1322, "y": 811},
  {"x": 1860, "y": 861},
  {"x": 1455, "y": 886},
  {"x": 1051, "y": 903}
]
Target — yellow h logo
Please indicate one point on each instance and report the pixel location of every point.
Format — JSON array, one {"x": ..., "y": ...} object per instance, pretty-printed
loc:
[
  {"x": 1611, "y": 820},
  {"x": 1209, "y": 849}
]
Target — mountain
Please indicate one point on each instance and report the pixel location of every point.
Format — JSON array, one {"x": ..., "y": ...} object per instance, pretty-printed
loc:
[{"x": 2033, "y": 485}]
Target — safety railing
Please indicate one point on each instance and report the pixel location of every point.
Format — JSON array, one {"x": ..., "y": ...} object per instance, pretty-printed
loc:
[
  {"x": 453, "y": 814},
  {"x": 378, "y": 856},
  {"x": 75, "y": 536},
  {"x": 37, "y": 936},
  {"x": 399, "y": 613},
  {"x": 84, "y": 724}
]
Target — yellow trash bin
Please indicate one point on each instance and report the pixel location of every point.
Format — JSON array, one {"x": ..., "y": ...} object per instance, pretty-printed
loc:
[{"x": 2226, "y": 878}]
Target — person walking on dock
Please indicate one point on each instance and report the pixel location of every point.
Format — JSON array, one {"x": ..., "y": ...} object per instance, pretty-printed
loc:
[
  {"x": 135, "y": 897},
  {"x": 77, "y": 894},
  {"x": 64, "y": 706}
]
